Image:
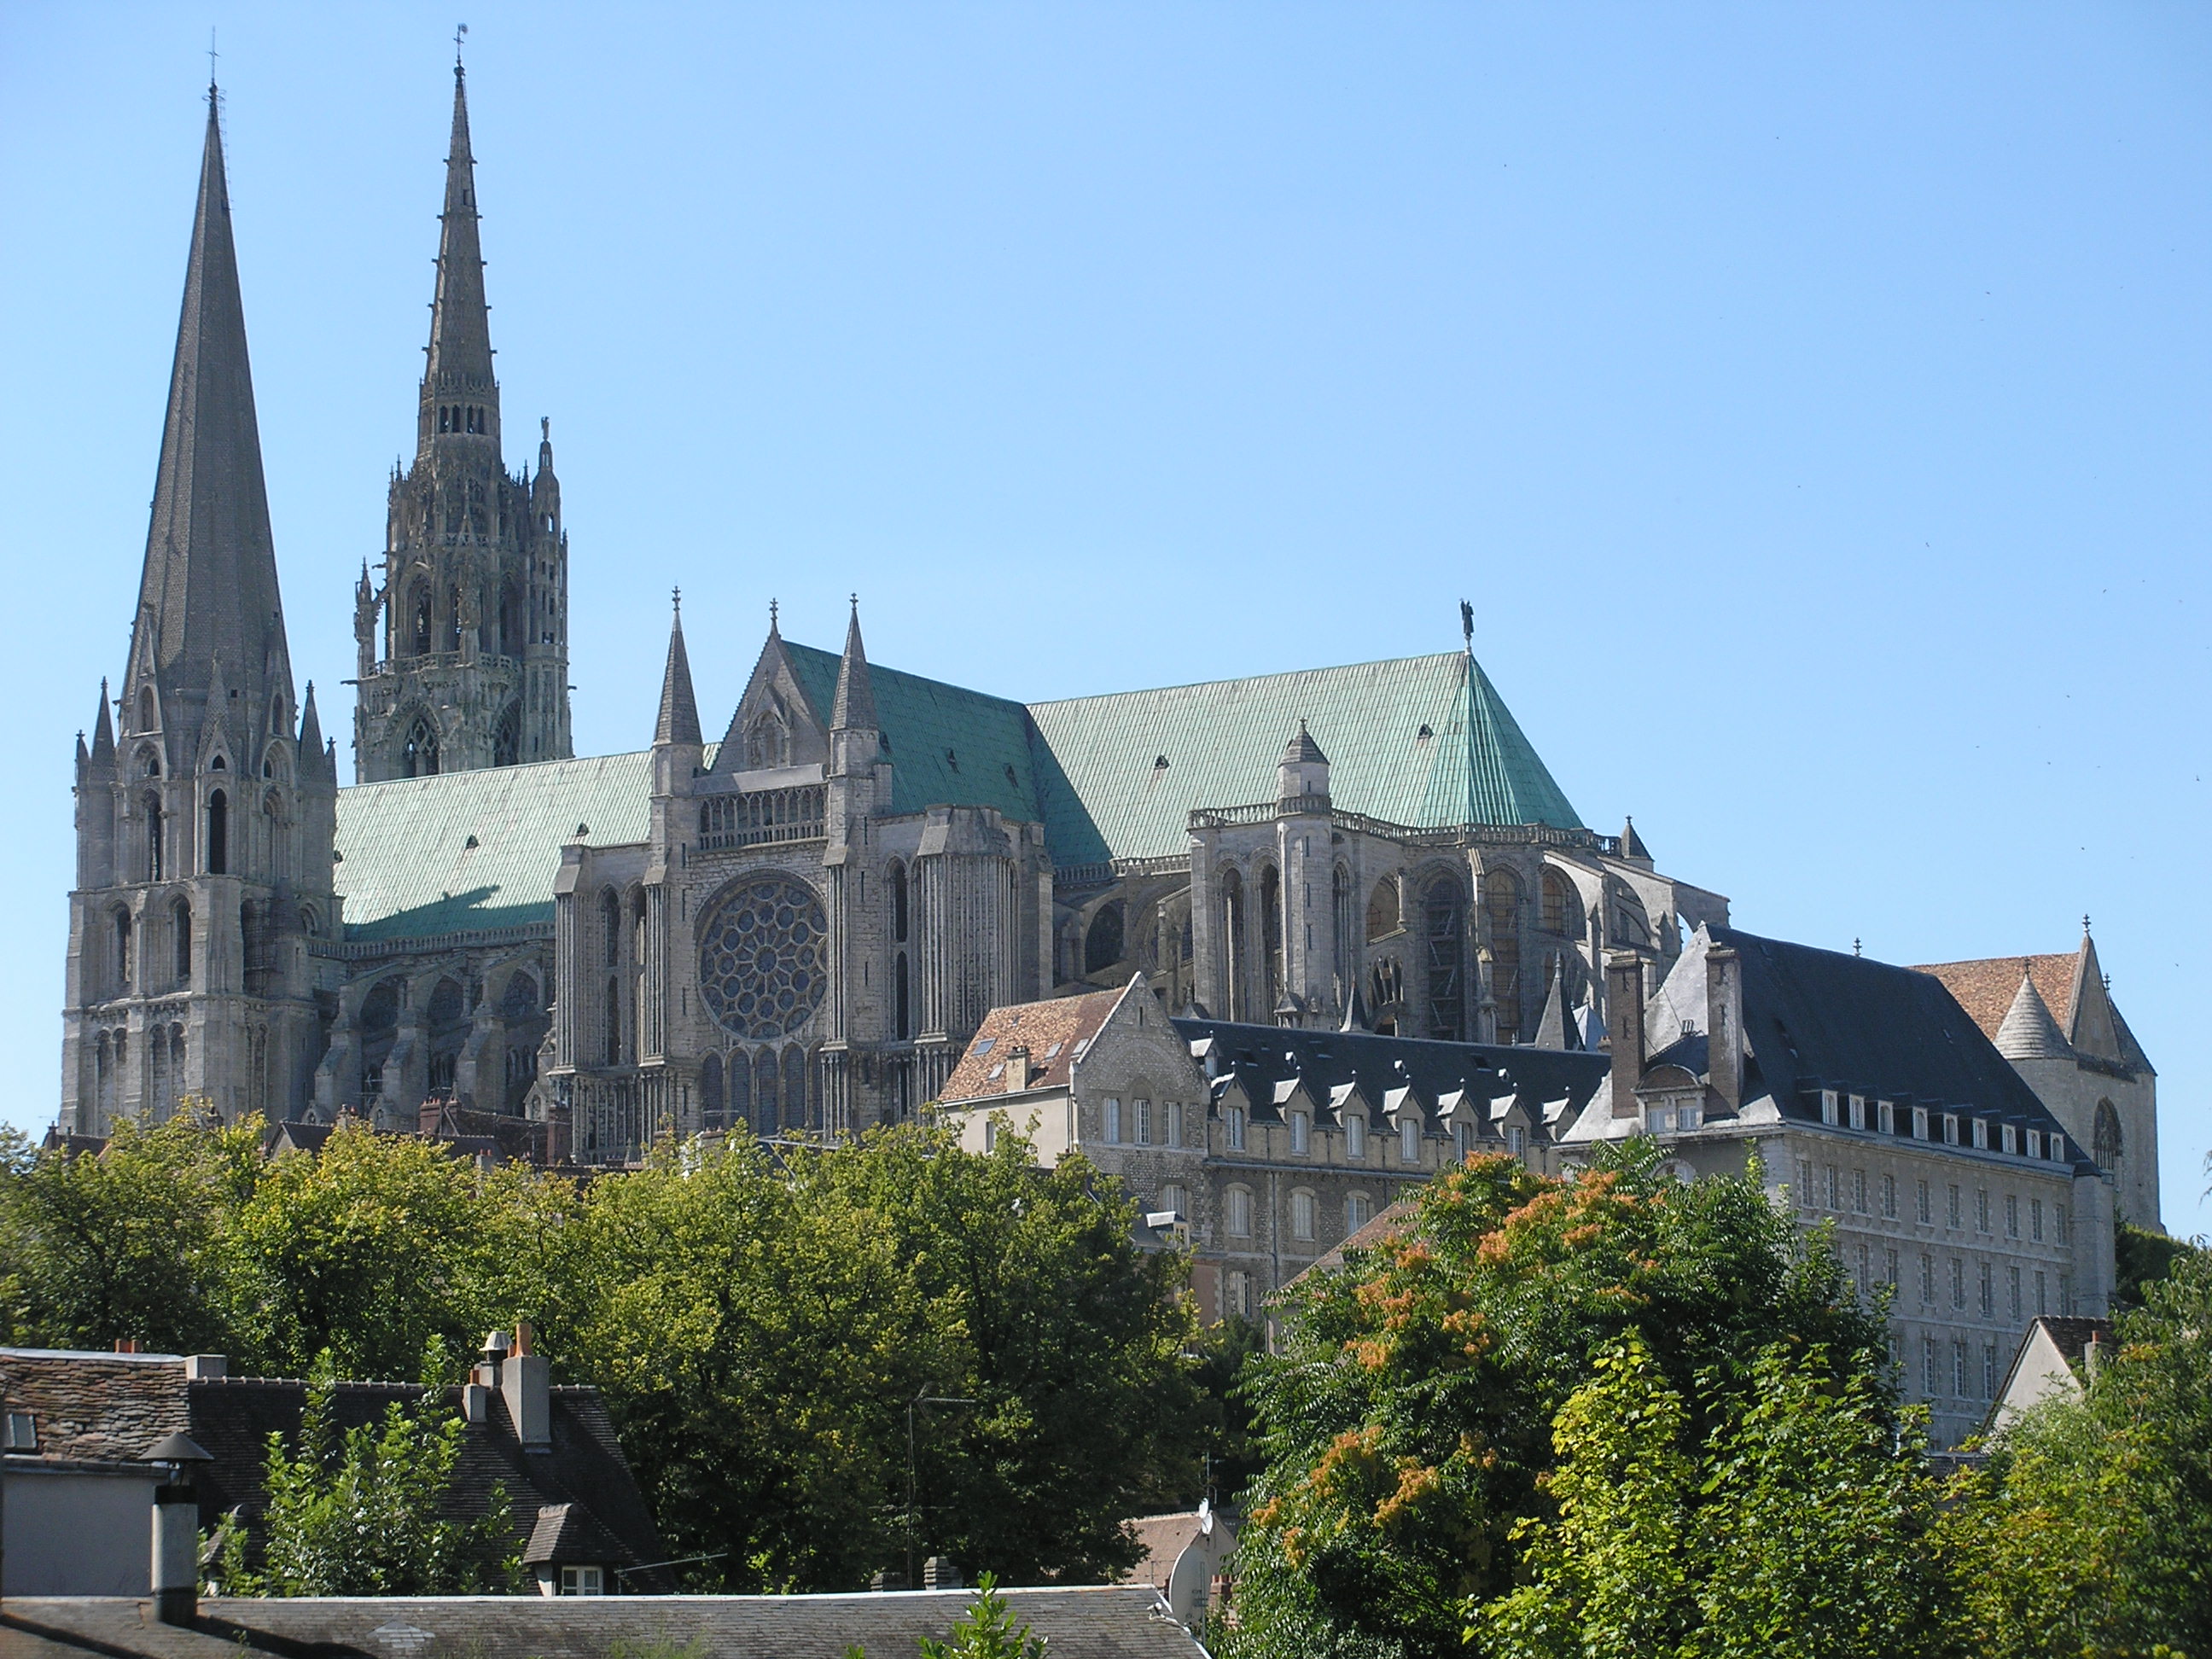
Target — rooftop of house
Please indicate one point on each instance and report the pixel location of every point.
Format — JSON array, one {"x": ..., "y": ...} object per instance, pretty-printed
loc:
[
  {"x": 1055, "y": 1031},
  {"x": 1106, "y": 1622},
  {"x": 2070, "y": 983},
  {"x": 1421, "y": 741}
]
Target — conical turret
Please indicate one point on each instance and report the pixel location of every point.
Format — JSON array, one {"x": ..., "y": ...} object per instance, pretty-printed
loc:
[
  {"x": 2029, "y": 1032},
  {"x": 679, "y": 709},
  {"x": 209, "y": 589}
]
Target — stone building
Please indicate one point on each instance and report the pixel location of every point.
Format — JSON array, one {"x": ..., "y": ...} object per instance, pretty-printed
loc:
[{"x": 2054, "y": 1018}]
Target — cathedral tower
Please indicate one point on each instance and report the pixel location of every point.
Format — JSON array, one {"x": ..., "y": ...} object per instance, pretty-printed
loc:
[
  {"x": 205, "y": 812},
  {"x": 464, "y": 649}
]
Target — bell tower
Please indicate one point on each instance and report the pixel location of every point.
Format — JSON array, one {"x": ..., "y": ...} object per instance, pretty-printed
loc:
[{"x": 463, "y": 645}]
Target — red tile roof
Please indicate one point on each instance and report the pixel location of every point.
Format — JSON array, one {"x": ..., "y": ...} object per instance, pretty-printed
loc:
[
  {"x": 1986, "y": 989},
  {"x": 1052, "y": 1032}
]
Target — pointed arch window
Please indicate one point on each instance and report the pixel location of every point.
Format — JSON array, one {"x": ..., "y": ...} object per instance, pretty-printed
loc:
[
  {"x": 146, "y": 714},
  {"x": 506, "y": 736},
  {"x": 122, "y": 952},
  {"x": 452, "y": 619},
  {"x": 898, "y": 902},
  {"x": 180, "y": 930},
  {"x": 150, "y": 806},
  {"x": 1271, "y": 936},
  {"x": 1559, "y": 907},
  {"x": 1442, "y": 926},
  {"x": 1501, "y": 904},
  {"x": 1382, "y": 917},
  {"x": 272, "y": 826},
  {"x": 794, "y": 1087},
  {"x": 1103, "y": 943},
  {"x": 418, "y": 612},
  {"x": 710, "y": 1092},
  {"x": 767, "y": 1116},
  {"x": 2107, "y": 1145},
  {"x": 218, "y": 834},
  {"x": 902, "y": 1012},
  {"x": 741, "y": 1089},
  {"x": 1232, "y": 933},
  {"x": 418, "y": 755},
  {"x": 510, "y": 620}
]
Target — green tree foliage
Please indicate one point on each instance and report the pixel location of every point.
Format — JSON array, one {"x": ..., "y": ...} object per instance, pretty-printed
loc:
[
  {"x": 987, "y": 1631},
  {"x": 2140, "y": 1256},
  {"x": 359, "y": 1512},
  {"x": 1410, "y": 1417},
  {"x": 2089, "y": 1533},
  {"x": 761, "y": 1328},
  {"x": 127, "y": 1244}
]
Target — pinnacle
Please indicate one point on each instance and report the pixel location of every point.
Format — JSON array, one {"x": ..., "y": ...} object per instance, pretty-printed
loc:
[
  {"x": 854, "y": 706},
  {"x": 679, "y": 707}
]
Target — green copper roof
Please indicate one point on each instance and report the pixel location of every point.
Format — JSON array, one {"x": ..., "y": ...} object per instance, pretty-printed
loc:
[
  {"x": 406, "y": 867},
  {"x": 1411, "y": 741},
  {"x": 1405, "y": 739}
]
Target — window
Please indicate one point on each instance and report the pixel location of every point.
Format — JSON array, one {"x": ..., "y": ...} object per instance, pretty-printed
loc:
[
  {"x": 1889, "y": 1197},
  {"x": 180, "y": 930},
  {"x": 1301, "y": 1132},
  {"x": 149, "y": 808},
  {"x": 1981, "y": 1134},
  {"x": 1558, "y": 900},
  {"x": 1858, "y": 1111},
  {"x": 991, "y": 1133},
  {"x": 898, "y": 902},
  {"x": 1928, "y": 1380},
  {"x": 1981, "y": 1209},
  {"x": 1239, "y": 1297},
  {"x": 1958, "y": 1369},
  {"x": 1358, "y": 1211},
  {"x": 1988, "y": 1371},
  {"x": 1143, "y": 1113},
  {"x": 1861, "y": 1269},
  {"x": 1463, "y": 1139},
  {"x": 2042, "y": 1295},
  {"x": 1889, "y": 1269},
  {"x": 1516, "y": 1140},
  {"x": 1828, "y": 1106},
  {"x": 2058, "y": 1221},
  {"x": 2012, "y": 1215},
  {"x": 2011, "y": 1141},
  {"x": 122, "y": 951},
  {"x": 1101, "y": 943},
  {"x": 218, "y": 834},
  {"x": 1888, "y": 1119},
  {"x": 1232, "y": 1127},
  {"x": 1958, "y": 1282},
  {"x": 1172, "y": 1111},
  {"x": 1110, "y": 1130},
  {"x": 1927, "y": 1216},
  {"x": 1859, "y": 1191},
  {"x": 2012, "y": 1288},
  {"x": 2065, "y": 1295},
  {"x": 1443, "y": 927},
  {"x": 582, "y": 1581},
  {"x": 901, "y": 1001},
  {"x": 1987, "y": 1286},
  {"x": 1951, "y": 1208},
  {"x": 2105, "y": 1136},
  {"x": 1302, "y": 1214},
  {"x": 1920, "y": 1123},
  {"x": 1174, "y": 1197},
  {"x": 1355, "y": 1134},
  {"x": 2035, "y": 1143},
  {"x": 1927, "y": 1278},
  {"x": 1805, "y": 1181},
  {"x": 1834, "y": 1182},
  {"x": 1240, "y": 1213},
  {"x": 1409, "y": 1139},
  {"x": 418, "y": 755},
  {"x": 1382, "y": 909},
  {"x": 1950, "y": 1128},
  {"x": 2035, "y": 1219}
]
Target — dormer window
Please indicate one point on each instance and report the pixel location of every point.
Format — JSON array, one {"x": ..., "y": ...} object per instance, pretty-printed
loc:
[
  {"x": 583, "y": 1581},
  {"x": 1409, "y": 1139},
  {"x": 1828, "y": 1106},
  {"x": 1355, "y": 1135},
  {"x": 1301, "y": 1132}
]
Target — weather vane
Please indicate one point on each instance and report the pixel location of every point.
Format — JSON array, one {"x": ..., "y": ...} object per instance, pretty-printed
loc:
[{"x": 459, "y": 35}]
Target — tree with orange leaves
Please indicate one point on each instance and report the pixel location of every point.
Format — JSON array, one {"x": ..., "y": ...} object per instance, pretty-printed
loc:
[{"x": 1411, "y": 1417}]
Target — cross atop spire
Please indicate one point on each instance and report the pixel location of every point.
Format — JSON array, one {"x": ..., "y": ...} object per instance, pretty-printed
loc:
[{"x": 209, "y": 588}]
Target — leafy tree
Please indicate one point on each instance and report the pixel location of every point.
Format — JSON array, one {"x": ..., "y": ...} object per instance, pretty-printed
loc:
[
  {"x": 2140, "y": 1256},
  {"x": 124, "y": 1244},
  {"x": 361, "y": 1512},
  {"x": 1410, "y": 1416},
  {"x": 2089, "y": 1533},
  {"x": 987, "y": 1631}
]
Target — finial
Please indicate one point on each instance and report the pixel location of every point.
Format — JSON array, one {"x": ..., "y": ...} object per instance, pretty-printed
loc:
[
  {"x": 1856, "y": 950},
  {"x": 545, "y": 429},
  {"x": 676, "y": 596},
  {"x": 771, "y": 616},
  {"x": 855, "y": 597},
  {"x": 2085, "y": 924},
  {"x": 459, "y": 35},
  {"x": 1466, "y": 623}
]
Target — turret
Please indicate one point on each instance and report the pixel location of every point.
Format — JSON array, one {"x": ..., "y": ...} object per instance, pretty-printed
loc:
[{"x": 1303, "y": 776}]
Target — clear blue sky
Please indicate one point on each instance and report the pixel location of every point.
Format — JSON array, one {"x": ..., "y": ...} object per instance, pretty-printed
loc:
[{"x": 1811, "y": 399}]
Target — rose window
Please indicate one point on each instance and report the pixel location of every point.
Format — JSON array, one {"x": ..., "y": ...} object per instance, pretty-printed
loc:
[{"x": 763, "y": 958}]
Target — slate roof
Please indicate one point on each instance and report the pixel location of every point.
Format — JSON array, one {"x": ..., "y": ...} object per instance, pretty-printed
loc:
[
  {"x": 1104, "y": 1621},
  {"x": 1085, "y": 768},
  {"x": 1817, "y": 1019},
  {"x": 110, "y": 1408},
  {"x": 1052, "y": 1030},
  {"x": 1261, "y": 1057}
]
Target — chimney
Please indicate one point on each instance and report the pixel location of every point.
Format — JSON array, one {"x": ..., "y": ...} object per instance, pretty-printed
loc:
[
  {"x": 1017, "y": 1069},
  {"x": 1624, "y": 1005},
  {"x": 939, "y": 1572},
  {"x": 176, "y": 1557},
  {"x": 525, "y": 1381},
  {"x": 1724, "y": 1025}
]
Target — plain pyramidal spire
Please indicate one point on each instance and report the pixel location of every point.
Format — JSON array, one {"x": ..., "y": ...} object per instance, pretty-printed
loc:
[
  {"x": 460, "y": 320},
  {"x": 854, "y": 708},
  {"x": 679, "y": 709},
  {"x": 209, "y": 589}
]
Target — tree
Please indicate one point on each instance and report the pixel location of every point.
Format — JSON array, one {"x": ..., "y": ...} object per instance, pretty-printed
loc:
[
  {"x": 2089, "y": 1533},
  {"x": 362, "y": 1512},
  {"x": 1410, "y": 1415},
  {"x": 126, "y": 1243},
  {"x": 987, "y": 1631}
]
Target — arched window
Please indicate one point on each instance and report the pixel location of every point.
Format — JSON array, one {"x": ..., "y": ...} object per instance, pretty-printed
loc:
[
  {"x": 768, "y": 741},
  {"x": 794, "y": 1087},
  {"x": 1559, "y": 907},
  {"x": 218, "y": 834},
  {"x": 1271, "y": 936},
  {"x": 1232, "y": 942},
  {"x": 1501, "y": 905},
  {"x": 614, "y": 1022},
  {"x": 710, "y": 1092},
  {"x": 380, "y": 1021},
  {"x": 903, "y": 1027},
  {"x": 741, "y": 1090},
  {"x": 122, "y": 952},
  {"x": 2106, "y": 1146},
  {"x": 418, "y": 755},
  {"x": 180, "y": 931},
  {"x": 272, "y": 831},
  {"x": 1383, "y": 915},
  {"x": 449, "y": 1029},
  {"x": 506, "y": 736},
  {"x": 418, "y": 609},
  {"x": 1340, "y": 917},
  {"x": 145, "y": 708},
  {"x": 767, "y": 1120},
  {"x": 1443, "y": 924},
  {"x": 637, "y": 949},
  {"x": 898, "y": 902},
  {"x": 149, "y": 807},
  {"x": 1101, "y": 945},
  {"x": 520, "y": 999},
  {"x": 610, "y": 926}
]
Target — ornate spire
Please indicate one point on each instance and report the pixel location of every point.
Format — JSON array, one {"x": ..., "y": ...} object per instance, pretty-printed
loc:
[
  {"x": 679, "y": 709},
  {"x": 460, "y": 322},
  {"x": 209, "y": 589},
  {"x": 854, "y": 708}
]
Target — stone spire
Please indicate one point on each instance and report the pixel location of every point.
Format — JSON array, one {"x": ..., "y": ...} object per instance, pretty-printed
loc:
[
  {"x": 2028, "y": 1031},
  {"x": 459, "y": 362},
  {"x": 103, "y": 733},
  {"x": 854, "y": 709},
  {"x": 209, "y": 591},
  {"x": 679, "y": 709},
  {"x": 313, "y": 764},
  {"x": 1553, "y": 1028}
]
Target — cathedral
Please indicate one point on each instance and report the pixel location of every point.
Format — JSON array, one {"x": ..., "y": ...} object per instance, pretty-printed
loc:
[{"x": 803, "y": 925}]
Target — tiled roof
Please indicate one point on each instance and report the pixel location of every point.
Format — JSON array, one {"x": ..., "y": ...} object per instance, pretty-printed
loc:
[
  {"x": 1424, "y": 741},
  {"x": 1986, "y": 989},
  {"x": 94, "y": 1407},
  {"x": 1053, "y": 1031},
  {"x": 406, "y": 867},
  {"x": 1104, "y": 1621}
]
